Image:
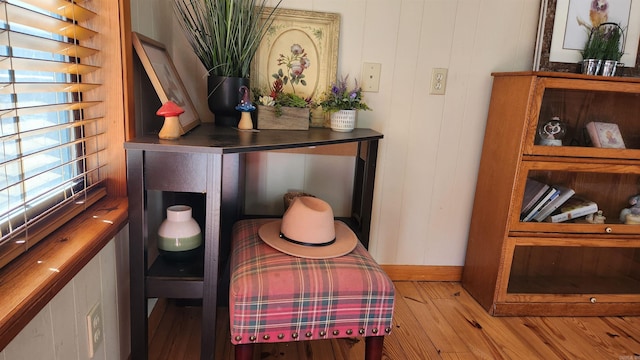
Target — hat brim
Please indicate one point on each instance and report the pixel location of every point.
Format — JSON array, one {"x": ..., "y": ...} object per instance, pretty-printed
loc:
[{"x": 346, "y": 241}]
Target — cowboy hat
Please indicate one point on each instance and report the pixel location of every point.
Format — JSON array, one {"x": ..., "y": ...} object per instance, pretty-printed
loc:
[{"x": 307, "y": 229}]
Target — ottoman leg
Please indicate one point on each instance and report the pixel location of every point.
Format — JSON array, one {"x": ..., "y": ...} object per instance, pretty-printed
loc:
[
  {"x": 373, "y": 347},
  {"x": 244, "y": 351}
]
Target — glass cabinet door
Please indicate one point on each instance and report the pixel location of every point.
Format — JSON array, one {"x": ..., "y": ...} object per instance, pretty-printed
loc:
[
  {"x": 611, "y": 187},
  {"x": 579, "y": 273},
  {"x": 585, "y": 119}
]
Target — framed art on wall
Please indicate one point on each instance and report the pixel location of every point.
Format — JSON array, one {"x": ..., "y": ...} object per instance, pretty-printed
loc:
[
  {"x": 301, "y": 49},
  {"x": 164, "y": 77},
  {"x": 564, "y": 26}
]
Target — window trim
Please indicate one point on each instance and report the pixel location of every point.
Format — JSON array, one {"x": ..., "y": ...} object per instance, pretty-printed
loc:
[
  {"x": 81, "y": 242},
  {"x": 63, "y": 254}
]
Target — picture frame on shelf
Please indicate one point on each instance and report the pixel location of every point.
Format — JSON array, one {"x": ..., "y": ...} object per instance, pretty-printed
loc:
[
  {"x": 165, "y": 79},
  {"x": 293, "y": 35},
  {"x": 562, "y": 33}
]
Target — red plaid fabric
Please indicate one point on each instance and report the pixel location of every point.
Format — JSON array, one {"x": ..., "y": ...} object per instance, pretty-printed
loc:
[{"x": 275, "y": 297}]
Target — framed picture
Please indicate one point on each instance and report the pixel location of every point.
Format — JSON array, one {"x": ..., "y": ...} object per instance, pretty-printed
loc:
[
  {"x": 164, "y": 77},
  {"x": 563, "y": 29},
  {"x": 300, "y": 48}
]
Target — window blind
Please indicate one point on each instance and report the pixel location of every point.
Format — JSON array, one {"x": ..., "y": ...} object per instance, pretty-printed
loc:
[{"x": 53, "y": 145}]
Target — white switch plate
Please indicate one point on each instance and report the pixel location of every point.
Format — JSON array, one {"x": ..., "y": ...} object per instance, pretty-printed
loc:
[
  {"x": 438, "y": 81},
  {"x": 371, "y": 77},
  {"x": 95, "y": 328}
]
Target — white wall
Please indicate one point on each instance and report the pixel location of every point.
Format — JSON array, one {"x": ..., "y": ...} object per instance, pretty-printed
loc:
[
  {"x": 59, "y": 331},
  {"x": 428, "y": 159}
]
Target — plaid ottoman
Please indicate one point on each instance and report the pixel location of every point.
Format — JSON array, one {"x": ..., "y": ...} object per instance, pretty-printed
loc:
[{"x": 275, "y": 297}]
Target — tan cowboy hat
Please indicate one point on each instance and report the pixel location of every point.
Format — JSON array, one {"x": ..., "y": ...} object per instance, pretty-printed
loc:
[{"x": 308, "y": 230}]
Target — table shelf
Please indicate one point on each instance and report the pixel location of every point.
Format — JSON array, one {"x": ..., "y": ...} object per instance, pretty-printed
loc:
[{"x": 206, "y": 167}]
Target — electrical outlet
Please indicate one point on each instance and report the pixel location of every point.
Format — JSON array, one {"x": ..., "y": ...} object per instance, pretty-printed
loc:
[
  {"x": 371, "y": 77},
  {"x": 95, "y": 328},
  {"x": 438, "y": 81}
]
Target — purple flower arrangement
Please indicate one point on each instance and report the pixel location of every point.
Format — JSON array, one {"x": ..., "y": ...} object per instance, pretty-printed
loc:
[{"x": 342, "y": 98}]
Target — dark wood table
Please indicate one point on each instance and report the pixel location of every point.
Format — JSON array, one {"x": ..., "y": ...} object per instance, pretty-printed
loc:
[{"x": 208, "y": 163}]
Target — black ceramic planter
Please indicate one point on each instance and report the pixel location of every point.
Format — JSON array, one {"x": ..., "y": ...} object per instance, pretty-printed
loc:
[{"x": 224, "y": 96}]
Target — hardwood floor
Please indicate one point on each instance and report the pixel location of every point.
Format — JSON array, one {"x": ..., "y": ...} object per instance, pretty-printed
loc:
[{"x": 432, "y": 320}]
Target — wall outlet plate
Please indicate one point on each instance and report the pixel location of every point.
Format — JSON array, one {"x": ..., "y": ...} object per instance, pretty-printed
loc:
[
  {"x": 371, "y": 77},
  {"x": 95, "y": 328},
  {"x": 438, "y": 81}
]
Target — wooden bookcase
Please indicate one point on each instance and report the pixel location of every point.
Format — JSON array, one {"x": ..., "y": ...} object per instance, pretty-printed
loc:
[{"x": 541, "y": 268}]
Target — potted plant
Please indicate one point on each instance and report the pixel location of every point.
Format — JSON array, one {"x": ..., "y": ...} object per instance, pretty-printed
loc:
[
  {"x": 613, "y": 39},
  {"x": 593, "y": 52},
  {"x": 280, "y": 110},
  {"x": 343, "y": 104},
  {"x": 225, "y": 35},
  {"x": 603, "y": 49}
]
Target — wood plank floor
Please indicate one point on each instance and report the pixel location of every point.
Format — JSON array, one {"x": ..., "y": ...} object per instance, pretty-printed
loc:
[{"x": 432, "y": 320}]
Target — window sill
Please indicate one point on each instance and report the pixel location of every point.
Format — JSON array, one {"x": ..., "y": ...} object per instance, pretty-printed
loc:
[{"x": 32, "y": 280}]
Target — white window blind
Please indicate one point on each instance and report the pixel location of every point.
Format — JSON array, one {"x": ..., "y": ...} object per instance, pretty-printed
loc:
[{"x": 50, "y": 124}]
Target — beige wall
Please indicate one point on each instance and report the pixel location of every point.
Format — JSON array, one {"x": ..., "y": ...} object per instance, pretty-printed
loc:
[
  {"x": 59, "y": 331},
  {"x": 429, "y": 156}
]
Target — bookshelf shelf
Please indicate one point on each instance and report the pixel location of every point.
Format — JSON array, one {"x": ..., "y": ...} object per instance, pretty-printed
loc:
[{"x": 537, "y": 267}]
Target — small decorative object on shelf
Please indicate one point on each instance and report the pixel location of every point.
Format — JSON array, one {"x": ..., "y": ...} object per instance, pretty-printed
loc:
[
  {"x": 605, "y": 135},
  {"x": 596, "y": 218},
  {"x": 280, "y": 110},
  {"x": 552, "y": 132},
  {"x": 631, "y": 215},
  {"x": 339, "y": 99},
  {"x": 179, "y": 235},
  {"x": 171, "y": 129},
  {"x": 245, "y": 107}
]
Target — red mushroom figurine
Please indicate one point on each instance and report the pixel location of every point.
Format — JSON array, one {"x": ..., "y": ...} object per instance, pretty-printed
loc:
[{"x": 171, "y": 128}]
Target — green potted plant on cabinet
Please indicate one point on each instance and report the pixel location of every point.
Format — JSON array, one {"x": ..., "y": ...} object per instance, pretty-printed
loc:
[
  {"x": 593, "y": 52},
  {"x": 225, "y": 35},
  {"x": 603, "y": 49},
  {"x": 613, "y": 37}
]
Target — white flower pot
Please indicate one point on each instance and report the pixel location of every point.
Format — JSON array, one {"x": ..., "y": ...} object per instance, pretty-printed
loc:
[{"x": 343, "y": 120}]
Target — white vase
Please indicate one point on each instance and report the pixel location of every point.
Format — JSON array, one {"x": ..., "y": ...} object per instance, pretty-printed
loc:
[
  {"x": 343, "y": 120},
  {"x": 179, "y": 235}
]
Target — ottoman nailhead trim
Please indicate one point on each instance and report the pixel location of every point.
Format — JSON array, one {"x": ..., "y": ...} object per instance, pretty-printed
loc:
[
  {"x": 361, "y": 331},
  {"x": 374, "y": 330},
  {"x": 336, "y": 332},
  {"x": 252, "y": 338},
  {"x": 266, "y": 337},
  {"x": 387, "y": 330},
  {"x": 308, "y": 334},
  {"x": 280, "y": 336},
  {"x": 323, "y": 333},
  {"x": 294, "y": 335},
  {"x": 238, "y": 338},
  {"x": 349, "y": 332}
]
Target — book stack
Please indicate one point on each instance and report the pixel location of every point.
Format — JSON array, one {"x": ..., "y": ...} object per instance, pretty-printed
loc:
[
  {"x": 553, "y": 203},
  {"x": 573, "y": 208}
]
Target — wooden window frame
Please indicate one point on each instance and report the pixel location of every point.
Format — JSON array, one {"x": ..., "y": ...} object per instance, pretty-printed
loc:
[{"x": 29, "y": 288}]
